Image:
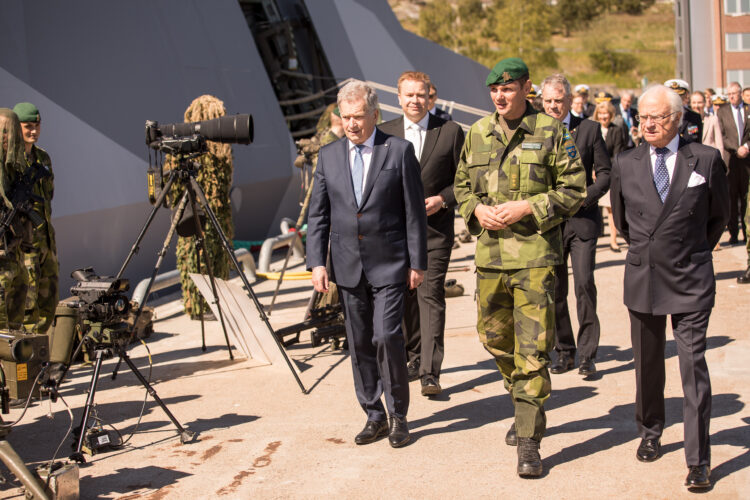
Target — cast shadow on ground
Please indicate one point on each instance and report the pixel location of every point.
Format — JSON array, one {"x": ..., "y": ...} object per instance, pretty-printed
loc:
[
  {"x": 738, "y": 437},
  {"x": 479, "y": 413},
  {"x": 80, "y": 377},
  {"x": 38, "y": 438},
  {"x": 130, "y": 481},
  {"x": 625, "y": 355},
  {"x": 620, "y": 428},
  {"x": 610, "y": 263}
]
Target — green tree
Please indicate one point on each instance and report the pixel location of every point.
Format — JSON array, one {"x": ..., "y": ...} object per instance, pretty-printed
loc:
[
  {"x": 634, "y": 7},
  {"x": 524, "y": 29},
  {"x": 436, "y": 23},
  {"x": 577, "y": 14}
]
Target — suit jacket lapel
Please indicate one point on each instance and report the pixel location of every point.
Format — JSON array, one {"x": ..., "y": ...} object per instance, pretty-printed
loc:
[
  {"x": 398, "y": 127},
  {"x": 430, "y": 140},
  {"x": 379, "y": 153},
  {"x": 642, "y": 161},
  {"x": 683, "y": 167}
]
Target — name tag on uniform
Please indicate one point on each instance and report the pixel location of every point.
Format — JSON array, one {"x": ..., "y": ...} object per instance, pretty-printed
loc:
[{"x": 531, "y": 145}]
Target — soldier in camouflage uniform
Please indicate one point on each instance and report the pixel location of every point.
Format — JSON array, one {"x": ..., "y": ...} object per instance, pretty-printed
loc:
[
  {"x": 13, "y": 278},
  {"x": 518, "y": 177},
  {"x": 215, "y": 177},
  {"x": 41, "y": 259}
]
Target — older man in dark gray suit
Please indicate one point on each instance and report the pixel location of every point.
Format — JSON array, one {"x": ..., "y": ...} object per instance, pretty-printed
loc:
[
  {"x": 368, "y": 202},
  {"x": 670, "y": 203}
]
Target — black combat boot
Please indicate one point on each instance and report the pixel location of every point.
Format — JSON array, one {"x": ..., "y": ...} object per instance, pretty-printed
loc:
[{"x": 529, "y": 461}]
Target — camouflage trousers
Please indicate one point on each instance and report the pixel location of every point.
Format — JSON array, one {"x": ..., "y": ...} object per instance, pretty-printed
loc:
[
  {"x": 43, "y": 294},
  {"x": 516, "y": 324},
  {"x": 14, "y": 283}
]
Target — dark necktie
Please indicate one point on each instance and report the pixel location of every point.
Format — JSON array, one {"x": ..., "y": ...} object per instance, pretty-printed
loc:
[
  {"x": 661, "y": 174},
  {"x": 740, "y": 124},
  {"x": 358, "y": 171}
]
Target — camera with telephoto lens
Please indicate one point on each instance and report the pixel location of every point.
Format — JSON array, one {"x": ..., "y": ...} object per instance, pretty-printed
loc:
[
  {"x": 189, "y": 139},
  {"x": 103, "y": 308}
]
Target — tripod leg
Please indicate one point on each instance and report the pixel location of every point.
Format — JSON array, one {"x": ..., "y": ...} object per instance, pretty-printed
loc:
[
  {"x": 200, "y": 243},
  {"x": 15, "y": 464},
  {"x": 200, "y": 304},
  {"x": 162, "y": 252},
  {"x": 185, "y": 435},
  {"x": 78, "y": 455},
  {"x": 228, "y": 248},
  {"x": 136, "y": 246}
]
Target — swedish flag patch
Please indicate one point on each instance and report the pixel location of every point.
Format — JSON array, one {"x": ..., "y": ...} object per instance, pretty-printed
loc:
[{"x": 570, "y": 147}]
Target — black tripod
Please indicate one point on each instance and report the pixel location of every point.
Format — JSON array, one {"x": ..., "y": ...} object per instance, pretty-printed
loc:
[
  {"x": 103, "y": 351},
  {"x": 185, "y": 173}
]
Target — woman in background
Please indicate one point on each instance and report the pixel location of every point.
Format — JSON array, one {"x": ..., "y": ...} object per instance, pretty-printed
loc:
[{"x": 615, "y": 142}]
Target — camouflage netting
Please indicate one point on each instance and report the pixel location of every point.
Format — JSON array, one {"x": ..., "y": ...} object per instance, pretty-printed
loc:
[{"x": 215, "y": 177}]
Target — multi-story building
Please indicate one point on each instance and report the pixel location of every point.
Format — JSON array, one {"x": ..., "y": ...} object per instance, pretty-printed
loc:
[{"x": 712, "y": 38}]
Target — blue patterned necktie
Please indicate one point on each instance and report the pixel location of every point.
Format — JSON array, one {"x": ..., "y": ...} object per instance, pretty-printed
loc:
[
  {"x": 661, "y": 174},
  {"x": 358, "y": 171}
]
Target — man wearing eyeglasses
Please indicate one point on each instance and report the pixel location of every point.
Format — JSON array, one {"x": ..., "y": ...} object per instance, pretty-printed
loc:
[{"x": 669, "y": 202}]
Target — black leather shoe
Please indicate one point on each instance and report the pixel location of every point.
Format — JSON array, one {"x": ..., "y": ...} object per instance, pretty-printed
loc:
[
  {"x": 511, "y": 438},
  {"x": 398, "y": 436},
  {"x": 529, "y": 461},
  {"x": 698, "y": 477},
  {"x": 563, "y": 363},
  {"x": 587, "y": 367},
  {"x": 412, "y": 368},
  {"x": 745, "y": 278},
  {"x": 430, "y": 386},
  {"x": 373, "y": 431},
  {"x": 649, "y": 450}
]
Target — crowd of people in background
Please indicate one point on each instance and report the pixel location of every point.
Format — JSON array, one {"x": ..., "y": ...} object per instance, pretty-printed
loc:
[{"x": 700, "y": 123}]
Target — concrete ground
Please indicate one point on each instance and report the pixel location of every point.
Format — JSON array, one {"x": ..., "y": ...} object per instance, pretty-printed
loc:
[{"x": 261, "y": 437}]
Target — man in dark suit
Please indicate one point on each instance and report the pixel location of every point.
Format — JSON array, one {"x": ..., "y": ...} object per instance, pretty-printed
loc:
[
  {"x": 431, "y": 106},
  {"x": 669, "y": 200},
  {"x": 626, "y": 118},
  {"x": 368, "y": 202},
  {"x": 691, "y": 126},
  {"x": 437, "y": 144},
  {"x": 588, "y": 107},
  {"x": 580, "y": 233},
  {"x": 734, "y": 121}
]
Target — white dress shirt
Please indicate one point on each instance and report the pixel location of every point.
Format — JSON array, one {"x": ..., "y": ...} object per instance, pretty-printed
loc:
[
  {"x": 415, "y": 133},
  {"x": 670, "y": 159},
  {"x": 366, "y": 156}
]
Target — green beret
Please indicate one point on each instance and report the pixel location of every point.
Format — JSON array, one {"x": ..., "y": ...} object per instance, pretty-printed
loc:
[
  {"x": 506, "y": 71},
  {"x": 26, "y": 112},
  {"x": 337, "y": 112}
]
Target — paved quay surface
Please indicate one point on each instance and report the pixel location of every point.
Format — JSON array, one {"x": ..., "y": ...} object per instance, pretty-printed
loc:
[{"x": 260, "y": 437}]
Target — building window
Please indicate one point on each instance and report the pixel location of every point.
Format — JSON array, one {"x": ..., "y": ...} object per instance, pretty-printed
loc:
[
  {"x": 742, "y": 76},
  {"x": 738, "y": 42},
  {"x": 734, "y": 7}
]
